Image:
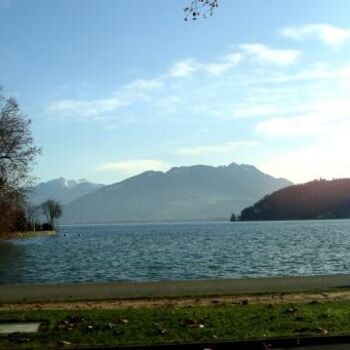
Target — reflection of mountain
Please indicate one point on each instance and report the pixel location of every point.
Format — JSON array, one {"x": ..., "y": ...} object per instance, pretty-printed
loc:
[
  {"x": 62, "y": 190},
  {"x": 186, "y": 193},
  {"x": 318, "y": 199}
]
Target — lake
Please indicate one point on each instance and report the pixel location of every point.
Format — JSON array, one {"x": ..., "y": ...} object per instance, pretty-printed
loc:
[{"x": 152, "y": 252}]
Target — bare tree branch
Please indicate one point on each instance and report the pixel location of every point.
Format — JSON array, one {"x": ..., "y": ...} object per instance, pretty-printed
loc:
[
  {"x": 200, "y": 8},
  {"x": 17, "y": 153}
]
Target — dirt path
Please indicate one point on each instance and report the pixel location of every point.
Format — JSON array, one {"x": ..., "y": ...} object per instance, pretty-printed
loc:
[
  {"x": 98, "y": 293},
  {"x": 182, "y": 302}
]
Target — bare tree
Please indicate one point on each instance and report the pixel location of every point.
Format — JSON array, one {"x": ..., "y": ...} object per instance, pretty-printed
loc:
[
  {"x": 17, "y": 153},
  {"x": 52, "y": 210},
  {"x": 11, "y": 208},
  {"x": 17, "y": 150},
  {"x": 32, "y": 214},
  {"x": 200, "y": 8}
]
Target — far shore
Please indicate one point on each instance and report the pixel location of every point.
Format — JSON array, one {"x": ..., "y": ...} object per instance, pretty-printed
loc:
[
  {"x": 26, "y": 234},
  {"x": 186, "y": 222},
  {"x": 31, "y": 293}
]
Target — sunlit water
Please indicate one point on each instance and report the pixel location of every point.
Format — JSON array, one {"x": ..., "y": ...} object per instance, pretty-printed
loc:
[{"x": 153, "y": 252}]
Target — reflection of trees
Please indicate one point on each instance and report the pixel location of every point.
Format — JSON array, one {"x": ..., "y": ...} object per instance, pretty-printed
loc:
[{"x": 12, "y": 262}]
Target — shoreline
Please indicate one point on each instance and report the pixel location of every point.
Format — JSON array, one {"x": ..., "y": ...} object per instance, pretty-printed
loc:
[
  {"x": 32, "y": 293},
  {"x": 184, "y": 302},
  {"x": 26, "y": 234},
  {"x": 184, "y": 222}
]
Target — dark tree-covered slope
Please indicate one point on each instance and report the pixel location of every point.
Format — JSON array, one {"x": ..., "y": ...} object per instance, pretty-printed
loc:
[{"x": 319, "y": 199}]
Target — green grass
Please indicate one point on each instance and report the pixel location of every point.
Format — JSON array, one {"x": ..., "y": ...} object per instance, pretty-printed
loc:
[{"x": 168, "y": 325}]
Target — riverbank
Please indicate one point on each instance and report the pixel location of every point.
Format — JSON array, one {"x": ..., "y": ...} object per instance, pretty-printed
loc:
[
  {"x": 19, "y": 293},
  {"x": 26, "y": 234}
]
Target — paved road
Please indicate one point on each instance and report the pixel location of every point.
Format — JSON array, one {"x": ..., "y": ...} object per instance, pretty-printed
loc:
[{"x": 102, "y": 291}]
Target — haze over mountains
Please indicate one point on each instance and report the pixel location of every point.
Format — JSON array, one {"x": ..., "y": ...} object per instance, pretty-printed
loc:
[
  {"x": 62, "y": 190},
  {"x": 196, "y": 192}
]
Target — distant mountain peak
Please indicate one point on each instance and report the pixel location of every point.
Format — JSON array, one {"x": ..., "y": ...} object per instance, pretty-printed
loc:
[
  {"x": 82, "y": 181},
  {"x": 62, "y": 190},
  {"x": 180, "y": 169},
  {"x": 250, "y": 167},
  {"x": 233, "y": 165},
  {"x": 70, "y": 183},
  {"x": 196, "y": 192}
]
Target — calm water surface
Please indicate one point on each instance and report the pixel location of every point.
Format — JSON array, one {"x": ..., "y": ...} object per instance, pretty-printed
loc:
[{"x": 153, "y": 252}]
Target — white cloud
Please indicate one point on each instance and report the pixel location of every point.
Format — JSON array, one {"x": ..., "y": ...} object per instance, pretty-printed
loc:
[
  {"x": 134, "y": 166},
  {"x": 126, "y": 96},
  {"x": 77, "y": 108},
  {"x": 143, "y": 85},
  {"x": 301, "y": 100},
  {"x": 318, "y": 118},
  {"x": 161, "y": 93},
  {"x": 168, "y": 104},
  {"x": 328, "y": 34},
  {"x": 218, "y": 68},
  {"x": 183, "y": 69},
  {"x": 280, "y": 57},
  {"x": 249, "y": 110},
  {"x": 187, "y": 68},
  {"x": 316, "y": 71},
  {"x": 296, "y": 126},
  {"x": 213, "y": 149},
  {"x": 325, "y": 158}
]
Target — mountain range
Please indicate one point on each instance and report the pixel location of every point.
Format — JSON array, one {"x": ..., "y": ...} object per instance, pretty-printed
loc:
[
  {"x": 62, "y": 190},
  {"x": 198, "y": 192}
]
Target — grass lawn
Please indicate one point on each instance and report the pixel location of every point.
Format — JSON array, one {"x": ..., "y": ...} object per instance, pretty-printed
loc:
[{"x": 169, "y": 324}]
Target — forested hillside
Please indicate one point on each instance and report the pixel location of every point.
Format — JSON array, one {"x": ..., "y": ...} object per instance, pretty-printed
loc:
[{"x": 319, "y": 199}]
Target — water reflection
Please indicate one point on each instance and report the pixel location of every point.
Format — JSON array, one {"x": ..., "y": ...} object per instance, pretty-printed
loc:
[{"x": 13, "y": 261}]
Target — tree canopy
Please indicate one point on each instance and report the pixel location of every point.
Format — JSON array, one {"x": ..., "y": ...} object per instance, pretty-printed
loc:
[
  {"x": 52, "y": 211},
  {"x": 17, "y": 153}
]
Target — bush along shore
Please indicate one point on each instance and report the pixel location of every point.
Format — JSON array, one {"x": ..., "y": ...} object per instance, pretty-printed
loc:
[{"x": 26, "y": 223}]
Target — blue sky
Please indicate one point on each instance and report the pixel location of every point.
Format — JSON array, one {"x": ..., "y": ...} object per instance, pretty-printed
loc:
[{"x": 118, "y": 87}]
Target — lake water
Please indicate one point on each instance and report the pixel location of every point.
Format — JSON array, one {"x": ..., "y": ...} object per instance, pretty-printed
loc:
[{"x": 150, "y": 252}]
